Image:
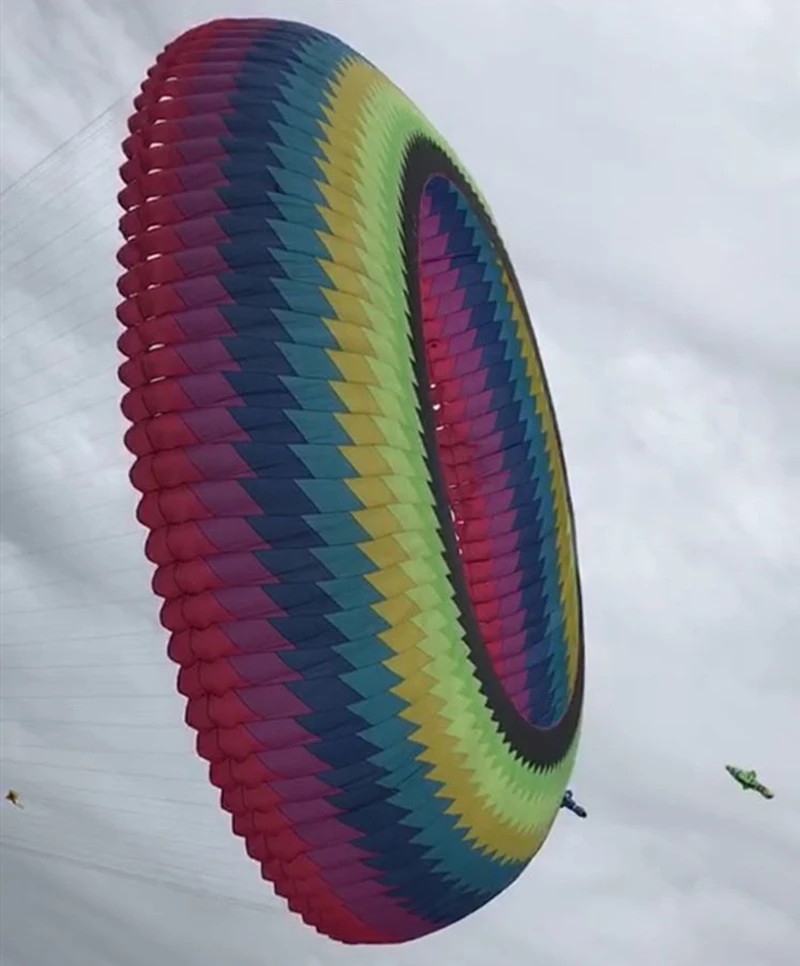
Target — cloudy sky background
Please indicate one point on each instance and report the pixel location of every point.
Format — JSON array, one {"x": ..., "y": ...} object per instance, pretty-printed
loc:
[{"x": 643, "y": 162}]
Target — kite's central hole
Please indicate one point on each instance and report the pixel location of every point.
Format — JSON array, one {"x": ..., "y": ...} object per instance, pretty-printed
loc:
[{"x": 488, "y": 463}]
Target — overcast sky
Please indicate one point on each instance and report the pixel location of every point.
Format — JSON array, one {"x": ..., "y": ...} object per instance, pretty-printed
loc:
[{"x": 643, "y": 162}]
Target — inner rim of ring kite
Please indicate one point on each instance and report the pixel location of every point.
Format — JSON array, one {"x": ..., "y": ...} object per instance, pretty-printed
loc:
[{"x": 450, "y": 242}]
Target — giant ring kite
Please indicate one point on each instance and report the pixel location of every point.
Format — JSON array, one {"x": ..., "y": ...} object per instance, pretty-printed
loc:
[{"x": 352, "y": 479}]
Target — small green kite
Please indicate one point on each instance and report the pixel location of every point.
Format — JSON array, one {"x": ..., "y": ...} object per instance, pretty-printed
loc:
[{"x": 749, "y": 781}]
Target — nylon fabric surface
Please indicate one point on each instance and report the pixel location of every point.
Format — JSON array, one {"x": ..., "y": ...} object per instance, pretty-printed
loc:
[{"x": 352, "y": 480}]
